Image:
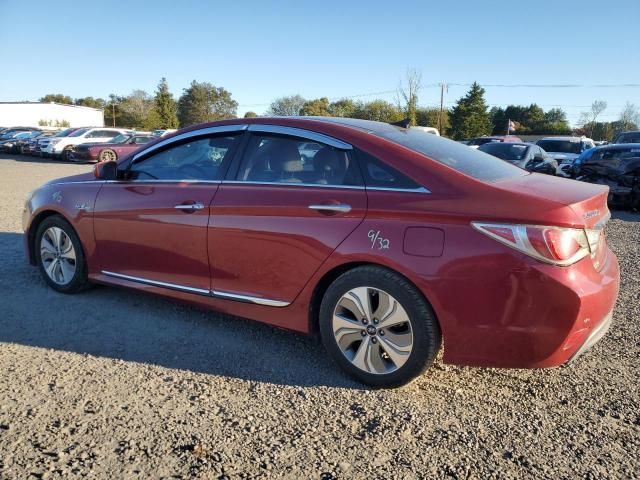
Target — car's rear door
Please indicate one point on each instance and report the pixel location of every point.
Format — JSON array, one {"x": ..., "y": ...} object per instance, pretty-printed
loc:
[
  {"x": 152, "y": 227},
  {"x": 279, "y": 215}
]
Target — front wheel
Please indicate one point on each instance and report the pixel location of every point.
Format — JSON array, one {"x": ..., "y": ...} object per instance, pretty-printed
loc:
[
  {"x": 66, "y": 154},
  {"x": 60, "y": 256},
  {"x": 378, "y": 327}
]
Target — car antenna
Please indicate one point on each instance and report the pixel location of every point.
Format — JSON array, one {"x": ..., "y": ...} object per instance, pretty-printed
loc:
[{"x": 406, "y": 123}]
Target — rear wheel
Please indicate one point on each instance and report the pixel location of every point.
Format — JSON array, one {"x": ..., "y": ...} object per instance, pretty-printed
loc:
[
  {"x": 378, "y": 327},
  {"x": 107, "y": 155},
  {"x": 60, "y": 256}
]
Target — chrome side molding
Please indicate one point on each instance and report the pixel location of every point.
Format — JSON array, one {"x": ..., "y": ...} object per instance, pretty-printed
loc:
[{"x": 200, "y": 291}]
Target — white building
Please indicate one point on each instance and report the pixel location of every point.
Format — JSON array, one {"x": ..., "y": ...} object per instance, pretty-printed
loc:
[{"x": 36, "y": 114}]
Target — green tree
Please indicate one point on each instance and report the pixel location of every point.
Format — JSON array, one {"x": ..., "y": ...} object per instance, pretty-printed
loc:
[
  {"x": 344, "y": 107},
  {"x": 56, "y": 98},
  {"x": 98, "y": 103},
  {"x": 250, "y": 114},
  {"x": 203, "y": 102},
  {"x": 317, "y": 108},
  {"x": 470, "y": 118},
  {"x": 529, "y": 120},
  {"x": 135, "y": 108},
  {"x": 378, "y": 110},
  {"x": 428, "y": 117},
  {"x": 165, "y": 109},
  {"x": 290, "y": 106}
]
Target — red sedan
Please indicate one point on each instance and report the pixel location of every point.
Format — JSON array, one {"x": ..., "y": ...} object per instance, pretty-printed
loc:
[
  {"x": 384, "y": 240},
  {"x": 119, "y": 146}
]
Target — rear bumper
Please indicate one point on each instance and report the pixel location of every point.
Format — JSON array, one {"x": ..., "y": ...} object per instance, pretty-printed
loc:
[
  {"x": 543, "y": 316},
  {"x": 594, "y": 337}
]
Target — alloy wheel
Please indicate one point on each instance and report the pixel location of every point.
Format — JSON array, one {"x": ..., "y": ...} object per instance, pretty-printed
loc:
[
  {"x": 58, "y": 255},
  {"x": 372, "y": 330}
]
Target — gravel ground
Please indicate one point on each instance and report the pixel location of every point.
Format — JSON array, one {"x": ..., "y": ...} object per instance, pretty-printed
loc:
[{"x": 116, "y": 384}]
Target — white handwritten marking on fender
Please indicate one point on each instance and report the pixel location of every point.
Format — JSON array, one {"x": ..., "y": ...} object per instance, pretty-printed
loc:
[{"x": 382, "y": 243}]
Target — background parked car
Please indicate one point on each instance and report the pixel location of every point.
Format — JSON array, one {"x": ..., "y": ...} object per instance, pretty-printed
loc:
[
  {"x": 618, "y": 167},
  {"x": 26, "y": 146},
  {"x": 43, "y": 143},
  {"x": 524, "y": 155},
  {"x": 476, "y": 142},
  {"x": 163, "y": 132},
  {"x": 12, "y": 142},
  {"x": 119, "y": 146},
  {"x": 627, "y": 137},
  {"x": 61, "y": 147},
  {"x": 565, "y": 150}
]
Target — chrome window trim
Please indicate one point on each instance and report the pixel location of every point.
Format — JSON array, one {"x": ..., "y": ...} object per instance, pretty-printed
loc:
[
  {"x": 192, "y": 133},
  {"x": 291, "y": 184},
  {"x": 408, "y": 190},
  {"x": 200, "y": 291},
  {"x": 302, "y": 133}
]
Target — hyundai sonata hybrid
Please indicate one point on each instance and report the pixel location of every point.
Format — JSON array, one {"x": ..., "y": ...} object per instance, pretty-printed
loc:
[{"x": 386, "y": 241}]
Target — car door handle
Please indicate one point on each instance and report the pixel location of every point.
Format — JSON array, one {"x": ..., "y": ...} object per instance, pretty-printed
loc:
[
  {"x": 339, "y": 207},
  {"x": 190, "y": 206}
]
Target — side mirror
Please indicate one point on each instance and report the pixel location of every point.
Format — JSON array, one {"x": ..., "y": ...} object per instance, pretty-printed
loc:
[
  {"x": 106, "y": 170},
  {"x": 538, "y": 158}
]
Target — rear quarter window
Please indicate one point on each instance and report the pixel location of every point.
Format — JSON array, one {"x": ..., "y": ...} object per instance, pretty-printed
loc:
[{"x": 457, "y": 156}]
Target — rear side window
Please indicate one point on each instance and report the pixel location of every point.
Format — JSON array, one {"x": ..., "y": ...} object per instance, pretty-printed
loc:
[
  {"x": 282, "y": 159},
  {"x": 379, "y": 175},
  {"x": 462, "y": 158}
]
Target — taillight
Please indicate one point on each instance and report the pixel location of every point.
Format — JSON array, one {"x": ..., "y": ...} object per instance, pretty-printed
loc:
[{"x": 555, "y": 245}]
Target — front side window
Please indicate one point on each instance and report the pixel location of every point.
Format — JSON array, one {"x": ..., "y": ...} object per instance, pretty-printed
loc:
[
  {"x": 628, "y": 137},
  {"x": 280, "y": 159},
  {"x": 197, "y": 159},
  {"x": 79, "y": 132}
]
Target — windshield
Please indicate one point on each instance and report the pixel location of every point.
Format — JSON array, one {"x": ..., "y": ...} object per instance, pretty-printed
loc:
[
  {"x": 482, "y": 141},
  {"x": 120, "y": 138},
  {"x": 505, "y": 151},
  {"x": 64, "y": 133},
  {"x": 629, "y": 137},
  {"x": 79, "y": 132},
  {"x": 560, "y": 146}
]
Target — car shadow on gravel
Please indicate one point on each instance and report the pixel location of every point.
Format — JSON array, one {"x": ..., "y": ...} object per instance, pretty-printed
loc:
[
  {"x": 137, "y": 327},
  {"x": 30, "y": 159}
]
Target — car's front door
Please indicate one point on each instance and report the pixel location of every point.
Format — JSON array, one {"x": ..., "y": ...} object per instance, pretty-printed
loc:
[
  {"x": 152, "y": 226},
  {"x": 283, "y": 210}
]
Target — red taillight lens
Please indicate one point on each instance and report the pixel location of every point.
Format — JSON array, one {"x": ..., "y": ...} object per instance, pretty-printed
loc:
[{"x": 556, "y": 245}]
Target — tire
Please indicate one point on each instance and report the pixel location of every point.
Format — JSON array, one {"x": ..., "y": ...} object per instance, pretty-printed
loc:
[
  {"x": 382, "y": 367},
  {"x": 65, "y": 155},
  {"x": 59, "y": 277},
  {"x": 107, "y": 155}
]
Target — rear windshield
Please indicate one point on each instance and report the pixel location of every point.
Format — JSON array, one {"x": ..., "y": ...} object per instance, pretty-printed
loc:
[
  {"x": 460, "y": 157},
  {"x": 560, "y": 146},
  {"x": 482, "y": 141},
  {"x": 505, "y": 151},
  {"x": 628, "y": 137}
]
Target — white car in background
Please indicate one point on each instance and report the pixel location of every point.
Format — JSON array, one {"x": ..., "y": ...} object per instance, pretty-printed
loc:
[
  {"x": 565, "y": 150},
  {"x": 431, "y": 130},
  {"x": 61, "y": 147}
]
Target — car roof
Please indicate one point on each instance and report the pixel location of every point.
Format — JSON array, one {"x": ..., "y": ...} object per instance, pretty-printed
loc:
[
  {"x": 617, "y": 146},
  {"x": 566, "y": 139}
]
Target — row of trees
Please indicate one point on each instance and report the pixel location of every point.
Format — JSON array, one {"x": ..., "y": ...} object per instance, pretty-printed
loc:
[
  {"x": 470, "y": 117},
  {"x": 200, "y": 102}
]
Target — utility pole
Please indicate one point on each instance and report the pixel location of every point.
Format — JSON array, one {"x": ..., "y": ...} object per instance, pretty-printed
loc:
[
  {"x": 113, "y": 110},
  {"x": 442, "y": 87}
]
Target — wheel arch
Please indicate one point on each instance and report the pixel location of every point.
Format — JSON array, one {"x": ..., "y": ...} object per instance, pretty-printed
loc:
[
  {"x": 33, "y": 228},
  {"x": 330, "y": 276}
]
